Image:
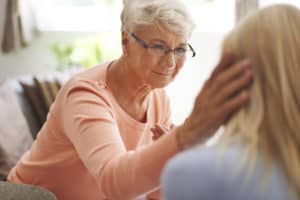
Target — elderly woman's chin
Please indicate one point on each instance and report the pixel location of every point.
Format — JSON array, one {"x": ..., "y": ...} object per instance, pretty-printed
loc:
[{"x": 162, "y": 81}]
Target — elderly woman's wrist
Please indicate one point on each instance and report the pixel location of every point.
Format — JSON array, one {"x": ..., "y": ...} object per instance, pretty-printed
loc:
[
  {"x": 183, "y": 138},
  {"x": 186, "y": 137}
]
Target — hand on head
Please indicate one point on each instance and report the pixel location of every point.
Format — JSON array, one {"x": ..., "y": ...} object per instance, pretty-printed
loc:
[{"x": 223, "y": 94}]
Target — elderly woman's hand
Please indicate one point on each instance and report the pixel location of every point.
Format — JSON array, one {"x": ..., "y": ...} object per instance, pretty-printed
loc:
[
  {"x": 159, "y": 130},
  {"x": 223, "y": 94}
]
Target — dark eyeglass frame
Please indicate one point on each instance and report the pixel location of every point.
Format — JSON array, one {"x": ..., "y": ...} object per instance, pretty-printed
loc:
[{"x": 147, "y": 46}]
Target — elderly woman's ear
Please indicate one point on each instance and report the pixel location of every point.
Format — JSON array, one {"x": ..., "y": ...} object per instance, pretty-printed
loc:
[{"x": 125, "y": 39}]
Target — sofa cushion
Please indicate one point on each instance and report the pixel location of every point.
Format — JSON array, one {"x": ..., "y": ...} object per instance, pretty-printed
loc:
[
  {"x": 40, "y": 94},
  {"x": 15, "y": 136},
  {"x": 5, "y": 165},
  {"x": 35, "y": 99},
  {"x": 26, "y": 107},
  {"x": 13, "y": 191}
]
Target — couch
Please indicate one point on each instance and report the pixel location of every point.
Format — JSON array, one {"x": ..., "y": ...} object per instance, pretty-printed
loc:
[
  {"x": 11, "y": 191},
  {"x": 24, "y": 103}
]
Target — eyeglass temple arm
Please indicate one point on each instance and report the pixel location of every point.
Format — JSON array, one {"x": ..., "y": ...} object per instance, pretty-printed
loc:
[
  {"x": 194, "y": 52},
  {"x": 139, "y": 40}
]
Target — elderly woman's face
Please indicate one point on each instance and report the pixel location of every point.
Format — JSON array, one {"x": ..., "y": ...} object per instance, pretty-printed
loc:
[{"x": 147, "y": 58}]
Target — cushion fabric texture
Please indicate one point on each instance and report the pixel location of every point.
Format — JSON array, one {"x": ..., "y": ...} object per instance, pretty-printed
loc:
[
  {"x": 12, "y": 191},
  {"x": 15, "y": 136}
]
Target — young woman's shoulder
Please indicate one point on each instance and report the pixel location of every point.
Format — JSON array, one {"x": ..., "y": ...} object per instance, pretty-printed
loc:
[{"x": 207, "y": 173}]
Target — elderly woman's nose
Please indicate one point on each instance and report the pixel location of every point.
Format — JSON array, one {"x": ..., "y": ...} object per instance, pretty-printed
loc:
[{"x": 170, "y": 60}]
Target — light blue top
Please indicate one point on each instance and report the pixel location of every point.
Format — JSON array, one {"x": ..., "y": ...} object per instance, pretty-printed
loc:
[{"x": 202, "y": 174}]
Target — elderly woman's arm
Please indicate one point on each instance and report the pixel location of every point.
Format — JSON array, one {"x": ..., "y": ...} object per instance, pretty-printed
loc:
[
  {"x": 92, "y": 128},
  {"x": 90, "y": 124}
]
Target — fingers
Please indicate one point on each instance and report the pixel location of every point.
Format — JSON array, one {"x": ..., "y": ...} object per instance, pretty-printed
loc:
[
  {"x": 172, "y": 127},
  {"x": 155, "y": 135},
  {"x": 236, "y": 103},
  {"x": 235, "y": 86},
  {"x": 230, "y": 74},
  {"x": 158, "y": 131},
  {"x": 227, "y": 59},
  {"x": 231, "y": 87},
  {"x": 223, "y": 94}
]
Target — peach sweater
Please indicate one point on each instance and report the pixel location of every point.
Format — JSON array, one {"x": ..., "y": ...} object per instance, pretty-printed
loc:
[{"x": 91, "y": 149}]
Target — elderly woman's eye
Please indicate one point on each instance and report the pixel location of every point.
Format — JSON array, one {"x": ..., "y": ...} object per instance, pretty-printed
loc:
[
  {"x": 159, "y": 47},
  {"x": 180, "y": 50}
]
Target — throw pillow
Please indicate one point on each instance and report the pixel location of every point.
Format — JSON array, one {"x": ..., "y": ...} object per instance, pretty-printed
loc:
[
  {"x": 15, "y": 137},
  {"x": 44, "y": 92},
  {"x": 35, "y": 100},
  {"x": 5, "y": 165},
  {"x": 40, "y": 93}
]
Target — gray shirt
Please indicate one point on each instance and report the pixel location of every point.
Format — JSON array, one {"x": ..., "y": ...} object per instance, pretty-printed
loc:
[{"x": 205, "y": 174}]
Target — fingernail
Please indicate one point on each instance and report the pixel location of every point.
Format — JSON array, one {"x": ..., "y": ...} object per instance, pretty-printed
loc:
[
  {"x": 245, "y": 94},
  {"x": 248, "y": 72},
  {"x": 246, "y": 63}
]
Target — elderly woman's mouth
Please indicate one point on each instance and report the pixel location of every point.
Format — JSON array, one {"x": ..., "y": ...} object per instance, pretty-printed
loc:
[{"x": 163, "y": 73}]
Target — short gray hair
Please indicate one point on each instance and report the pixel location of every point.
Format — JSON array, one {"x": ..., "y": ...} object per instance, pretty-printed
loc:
[{"x": 171, "y": 14}]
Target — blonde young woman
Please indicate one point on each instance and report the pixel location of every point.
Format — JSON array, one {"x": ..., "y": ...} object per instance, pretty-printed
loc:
[
  {"x": 98, "y": 140},
  {"x": 259, "y": 156}
]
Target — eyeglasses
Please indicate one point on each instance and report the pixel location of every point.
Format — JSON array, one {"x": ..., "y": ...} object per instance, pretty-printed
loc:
[{"x": 161, "y": 50}]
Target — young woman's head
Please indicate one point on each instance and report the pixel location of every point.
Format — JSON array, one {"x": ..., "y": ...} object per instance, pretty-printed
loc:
[{"x": 270, "y": 123}]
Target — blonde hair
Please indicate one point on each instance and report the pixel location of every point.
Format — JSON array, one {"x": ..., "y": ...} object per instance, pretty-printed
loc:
[
  {"x": 170, "y": 14},
  {"x": 270, "y": 123}
]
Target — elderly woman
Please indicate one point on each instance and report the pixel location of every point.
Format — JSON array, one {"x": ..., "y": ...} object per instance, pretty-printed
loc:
[
  {"x": 98, "y": 140},
  {"x": 258, "y": 156}
]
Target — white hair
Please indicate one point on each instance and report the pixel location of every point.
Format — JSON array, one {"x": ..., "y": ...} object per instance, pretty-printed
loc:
[{"x": 170, "y": 14}]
